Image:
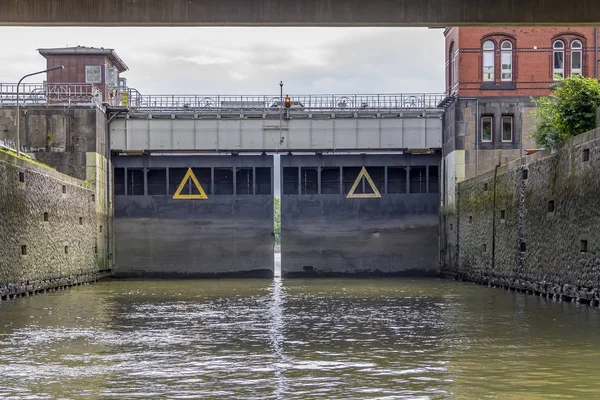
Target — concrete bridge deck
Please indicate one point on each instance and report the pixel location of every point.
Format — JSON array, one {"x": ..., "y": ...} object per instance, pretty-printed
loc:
[
  {"x": 348, "y": 122},
  {"x": 429, "y": 13}
]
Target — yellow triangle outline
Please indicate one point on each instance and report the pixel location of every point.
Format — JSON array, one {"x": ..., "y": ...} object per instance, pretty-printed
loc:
[
  {"x": 363, "y": 174},
  {"x": 200, "y": 196}
]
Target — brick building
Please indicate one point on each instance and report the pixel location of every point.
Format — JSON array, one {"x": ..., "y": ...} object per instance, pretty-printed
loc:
[{"x": 492, "y": 74}]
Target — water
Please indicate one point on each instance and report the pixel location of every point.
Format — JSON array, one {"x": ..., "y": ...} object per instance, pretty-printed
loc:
[{"x": 296, "y": 339}]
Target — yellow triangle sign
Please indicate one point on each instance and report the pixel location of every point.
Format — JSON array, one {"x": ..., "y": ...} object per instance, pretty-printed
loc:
[
  {"x": 200, "y": 196},
  {"x": 363, "y": 174}
]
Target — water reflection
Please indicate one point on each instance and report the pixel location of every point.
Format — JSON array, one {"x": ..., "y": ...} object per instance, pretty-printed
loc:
[{"x": 296, "y": 339}]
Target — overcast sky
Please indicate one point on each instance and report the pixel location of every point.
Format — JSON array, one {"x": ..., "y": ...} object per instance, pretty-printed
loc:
[{"x": 248, "y": 60}]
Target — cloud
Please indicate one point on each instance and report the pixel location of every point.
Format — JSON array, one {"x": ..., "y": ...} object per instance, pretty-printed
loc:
[{"x": 250, "y": 60}]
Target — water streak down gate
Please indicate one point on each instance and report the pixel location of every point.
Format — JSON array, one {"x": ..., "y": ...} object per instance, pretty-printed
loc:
[
  {"x": 333, "y": 222},
  {"x": 165, "y": 226}
]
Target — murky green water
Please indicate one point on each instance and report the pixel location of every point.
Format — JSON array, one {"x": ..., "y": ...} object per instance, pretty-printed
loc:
[{"x": 296, "y": 339}]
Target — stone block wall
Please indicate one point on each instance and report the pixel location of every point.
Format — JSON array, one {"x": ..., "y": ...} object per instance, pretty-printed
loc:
[
  {"x": 534, "y": 224},
  {"x": 48, "y": 228}
]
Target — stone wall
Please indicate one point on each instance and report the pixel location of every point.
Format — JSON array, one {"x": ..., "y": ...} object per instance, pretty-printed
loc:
[
  {"x": 48, "y": 225},
  {"x": 533, "y": 224}
]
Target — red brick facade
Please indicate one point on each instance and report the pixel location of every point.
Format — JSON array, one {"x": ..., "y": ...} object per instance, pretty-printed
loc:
[{"x": 533, "y": 59}]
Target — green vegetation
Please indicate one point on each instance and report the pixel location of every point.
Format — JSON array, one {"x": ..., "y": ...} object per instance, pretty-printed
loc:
[
  {"x": 24, "y": 158},
  {"x": 569, "y": 111},
  {"x": 277, "y": 221}
]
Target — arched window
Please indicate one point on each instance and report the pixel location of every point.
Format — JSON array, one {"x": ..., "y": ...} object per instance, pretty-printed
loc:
[
  {"x": 507, "y": 60},
  {"x": 488, "y": 61},
  {"x": 451, "y": 66},
  {"x": 559, "y": 59},
  {"x": 576, "y": 57}
]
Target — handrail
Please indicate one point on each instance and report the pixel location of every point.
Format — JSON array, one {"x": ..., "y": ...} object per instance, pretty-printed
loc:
[
  {"x": 71, "y": 94},
  {"x": 265, "y": 104},
  {"x": 55, "y": 94}
]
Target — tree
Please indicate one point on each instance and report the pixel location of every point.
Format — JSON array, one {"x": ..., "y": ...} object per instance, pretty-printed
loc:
[{"x": 569, "y": 111}]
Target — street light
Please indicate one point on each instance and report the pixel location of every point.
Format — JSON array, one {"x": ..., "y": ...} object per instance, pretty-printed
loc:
[{"x": 18, "y": 108}]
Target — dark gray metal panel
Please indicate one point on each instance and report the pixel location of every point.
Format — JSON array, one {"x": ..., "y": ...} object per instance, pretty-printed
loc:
[
  {"x": 330, "y": 235},
  {"x": 225, "y": 235}
]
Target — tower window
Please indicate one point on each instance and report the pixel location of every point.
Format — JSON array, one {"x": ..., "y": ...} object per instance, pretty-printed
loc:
[
  {"x": 576, "y": 57},
  {"x": 488, "y": 61},
  {"x": 507, "y": 60},
  {"x": 559, "y": 59}
]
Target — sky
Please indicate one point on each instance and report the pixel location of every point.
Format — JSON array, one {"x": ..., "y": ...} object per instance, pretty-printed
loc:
[{"x": 211, "y": 60}]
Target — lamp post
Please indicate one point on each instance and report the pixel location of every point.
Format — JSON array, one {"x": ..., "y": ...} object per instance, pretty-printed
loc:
[
  {"x": 18, "y": 108},
  {"x": 281, "y": 140}
]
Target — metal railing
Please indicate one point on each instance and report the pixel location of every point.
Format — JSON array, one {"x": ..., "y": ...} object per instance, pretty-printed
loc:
[
  {"x": 55, "y": 94},
  {"x": 137, "y": 102}
]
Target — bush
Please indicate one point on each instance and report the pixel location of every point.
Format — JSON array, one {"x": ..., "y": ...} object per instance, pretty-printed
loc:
[{"x": 569, "y": 111}]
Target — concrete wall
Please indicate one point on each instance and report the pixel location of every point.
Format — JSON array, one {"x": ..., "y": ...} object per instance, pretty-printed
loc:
[
  {"x": 332, "y": 235},
  {"x": 427, "y": 13},
  {"x": 223, "y": 235},
  {"x": 57, "y": 136},
  {"x": 70, "y": 205},
  {"x": 509, "y": 234}
]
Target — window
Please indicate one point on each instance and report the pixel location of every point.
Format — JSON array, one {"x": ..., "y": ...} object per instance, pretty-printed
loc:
[
  {"x": 349, "y": 175},
  {"x": 486, "y": 129},
  {"x": 119, "y": 181},
  {"x": 224, "y": 181},
  {"x": 488, "y": 61},
  {"x": 204, "y": 179},
  {"x": 244, "y": 181},
  {"x": 330, "y": 180},
  {"x": 157, "y": 181},
  {"x": 263, "y": 180},
  {"x": 418, "y": 180},
  {"x": 396, "y": 180},
  {"x": 452, "y": 72},
  {"x": 507, "y": 129},
  {"x": 93, "y": 74},
  {"x": 506, "y": 60},
  {"x": 309, "y": 180},
  {"x": 559, "y": 59},
  {"x": 576, "y": 57},
  {"x": 433, "y": 179},
  {"x": 290, "y": 180},
  {"x": 175, "y": 177},
  {"x": 135, "y": 182}
]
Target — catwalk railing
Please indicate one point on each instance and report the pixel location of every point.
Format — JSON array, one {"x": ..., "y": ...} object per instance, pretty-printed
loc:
[
  {"x": 265, "y": 104},
  {"x": 64, "y": 94}
]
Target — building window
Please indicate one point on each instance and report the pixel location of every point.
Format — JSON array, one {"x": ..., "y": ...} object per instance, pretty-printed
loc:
[
  {"x": 507, "y": 129},
  {"x": 93, "y": 74},
  {"x": 452, "y": 72},
  {"x": 488, "y": 61},
  {"x": 559, "y": 59},
  {"x": 576, "y": 57},
  {"x": 507, "y": 60},
  {"x": 487, "y": 129}
]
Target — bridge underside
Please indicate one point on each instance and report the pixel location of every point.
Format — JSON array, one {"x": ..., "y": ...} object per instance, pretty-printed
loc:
[
  {"x": 390, "y": 233},
  {"x": 166, "y": 229},
  {"x": 429, "y": 13}
]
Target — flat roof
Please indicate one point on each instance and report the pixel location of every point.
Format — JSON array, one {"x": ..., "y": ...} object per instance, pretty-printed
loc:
[{"x": 82, "y": 50}]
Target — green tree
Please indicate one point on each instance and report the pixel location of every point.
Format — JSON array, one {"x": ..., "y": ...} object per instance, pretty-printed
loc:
[
  {"x": 277, "y": 229},
  {"x": 569, "y": 111}
]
